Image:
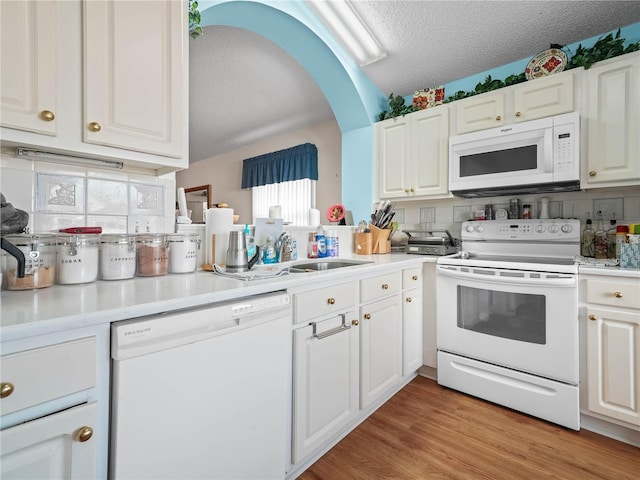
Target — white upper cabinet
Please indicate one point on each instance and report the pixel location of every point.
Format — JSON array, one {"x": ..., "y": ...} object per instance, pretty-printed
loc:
[
  {"x": 412, "y": 154},
  {"x": 98, "y": 79},
  {"x": 133, "y": 75},
  {"x": 539, "y": 98},
  {"x": 29, "y": 42},
  {"x": 613, "y": 115}
]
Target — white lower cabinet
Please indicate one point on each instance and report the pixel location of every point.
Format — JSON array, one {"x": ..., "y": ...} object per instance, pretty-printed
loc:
[
  {"x": 325, "y": 381},
  {"x": 412, "y": 322},
  {"x": 612, "y": 324}
]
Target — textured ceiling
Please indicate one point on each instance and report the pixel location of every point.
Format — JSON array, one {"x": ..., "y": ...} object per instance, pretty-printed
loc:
[{"x": 243, "y": 88}]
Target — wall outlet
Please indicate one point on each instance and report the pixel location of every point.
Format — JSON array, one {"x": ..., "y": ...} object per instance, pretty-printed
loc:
[
  {"x": 427, "y": 215},
  {"x": 609, "y": 207}
]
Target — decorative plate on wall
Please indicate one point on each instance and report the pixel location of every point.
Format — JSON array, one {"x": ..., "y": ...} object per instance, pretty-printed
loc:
[{"x": 552, "y": 60}]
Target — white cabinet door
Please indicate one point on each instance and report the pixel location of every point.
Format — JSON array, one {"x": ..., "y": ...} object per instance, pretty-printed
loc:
[
  {"x": 28, "y": 88},
  {"x": 479, "y": 112},
  {"x": 613, "y": 364},
  {"x": 613, "y": 117},
  {"x": 393, "y": 153},
  {"x": 429, "y": 172},
  {"x": 543, "y": 97},
  {"x": 380, "y": 348},
  {"x": 56, "y": 446},
  {"x": 411, "y": 331},
  {"x": 429, "y": 345},
  {"x": 325, "y": 383},
  {"x": 134, "y": 84}
]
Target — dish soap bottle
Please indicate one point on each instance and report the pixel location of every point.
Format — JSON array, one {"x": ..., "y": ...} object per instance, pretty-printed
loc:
[
  {"x": 269, "y": 254},
  {"x": 588, "y": 237},
  {"x": 251, "y": 242},
  {"x": 601, "y": 239}
]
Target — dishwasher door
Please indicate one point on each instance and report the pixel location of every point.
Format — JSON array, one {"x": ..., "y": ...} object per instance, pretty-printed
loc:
[{"x": 202, "y": 393}]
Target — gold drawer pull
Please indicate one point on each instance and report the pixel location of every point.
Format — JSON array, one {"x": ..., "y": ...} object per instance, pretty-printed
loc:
[
  {"x": 592, "y": 317},
  {"x": 385, "y": 286},
  {"x": 84, "y": 433},
  {"x": 367, "y": 316},
  {"x": 6, "y": 389},
  {"x": 331, "y": 301},
  {"x": 408, "y": 300},
  {"x": 47, "y": 115},
  {"x": 355, "y": 323},
  {"x": 592, "y": 173},
  {"x": 415, "y": 277},
  {"x": 498, "y": 118},
  {"x": 617, "y": 294},
  {"x": 95, "y": 127}
]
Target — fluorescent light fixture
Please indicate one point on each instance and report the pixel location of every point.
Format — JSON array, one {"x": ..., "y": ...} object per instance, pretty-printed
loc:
[
  {"x": 68, "y": 159},
  {"x": 343, "y": 21}
]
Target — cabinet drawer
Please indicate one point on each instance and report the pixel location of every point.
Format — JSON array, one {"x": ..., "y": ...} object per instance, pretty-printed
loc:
[
  {"x": 43, "y": 374},
  {"x": 623, "y": 293},
  {"x": 411, "y": 277},
  {"x": 380, "y": 286},
  {"x": 316, "y": 303}
]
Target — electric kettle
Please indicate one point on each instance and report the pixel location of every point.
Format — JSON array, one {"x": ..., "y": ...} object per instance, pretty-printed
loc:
[{"x": 237, "y": 256}]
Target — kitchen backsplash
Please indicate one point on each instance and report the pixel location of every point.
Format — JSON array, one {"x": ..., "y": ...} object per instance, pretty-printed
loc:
[{"x": 60, "y": 196}]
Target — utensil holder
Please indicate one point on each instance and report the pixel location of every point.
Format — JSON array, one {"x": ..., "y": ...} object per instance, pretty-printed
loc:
[
  {"x": 363, "y": 244},
  {"x": 381, "y": 242}
]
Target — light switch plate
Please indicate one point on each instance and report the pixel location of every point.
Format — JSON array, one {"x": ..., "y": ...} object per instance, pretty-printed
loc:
[
  {"x": 608, "y": 207},
  {"x": 427, "y": 215}
]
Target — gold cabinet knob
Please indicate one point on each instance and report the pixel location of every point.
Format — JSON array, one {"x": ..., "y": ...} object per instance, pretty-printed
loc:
[
  {"x": 331, "y": 301},
  {"x": 617, "y": 294},
  {"x": 592, "y": 173},
  {"x": 367, "y": 316},
  {"x": 518, "y": 114},
  {"x": 47, "y": 115},
  {"x": 411, "y": 190},
  {"x": 95, "y": 127},
  {"x": 385, "y": 286},
  {"x": 408, "y": 300},
  {"x": 498, "y": 118},
  {"x": 6, "y": 389},
  {"x": 406, "y": 190},
  {"x": 83, "y": 434},
  {"x": 592, "y": 317},
  {"x": 355, "y": 323},
  {"x": 415, "y": 277}
]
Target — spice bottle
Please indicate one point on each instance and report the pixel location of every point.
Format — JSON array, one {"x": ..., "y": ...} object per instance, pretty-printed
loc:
[
  {"x": 40, "y": 262},
  {"x": 78, "y": 259},
  {"x": 152, "y": 255},
  {"x": 117, "y": 256},
  {"x": 526, "y": 210},
  {"x": 588, "y": 237}
]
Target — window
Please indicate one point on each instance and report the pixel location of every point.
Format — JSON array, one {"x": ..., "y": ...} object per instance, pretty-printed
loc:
[{"x": 287, "y": 178}]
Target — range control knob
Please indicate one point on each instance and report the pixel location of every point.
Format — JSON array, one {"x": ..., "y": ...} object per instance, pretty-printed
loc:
[
  {"x": 566, "y": 228},
  {"x": 553, "y": 228},
  {"x": 540, "y": 228},
  {"x": 470, "y": 228},
  {"x": 479, "y": 229}
]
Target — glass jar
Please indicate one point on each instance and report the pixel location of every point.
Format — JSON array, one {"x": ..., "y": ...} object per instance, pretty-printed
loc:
[
  {"x": 77, "y": 259},
  {"x": 152, "y": 255},
  {"x": 526, "y": 210},
  {"x": 117, "y": 256},
  {"x": 40, "y": 262},
  {"x": 183, "y": 252}
]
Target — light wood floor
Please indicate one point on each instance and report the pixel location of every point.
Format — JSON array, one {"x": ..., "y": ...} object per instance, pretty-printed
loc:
[{"x": 430, "y": 432}]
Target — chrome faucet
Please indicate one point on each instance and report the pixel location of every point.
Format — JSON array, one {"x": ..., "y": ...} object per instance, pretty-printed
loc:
[{"x": 284, "y": 247}]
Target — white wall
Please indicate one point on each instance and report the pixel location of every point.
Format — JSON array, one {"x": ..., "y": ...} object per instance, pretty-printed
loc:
[{"x": 224, "y": 172}]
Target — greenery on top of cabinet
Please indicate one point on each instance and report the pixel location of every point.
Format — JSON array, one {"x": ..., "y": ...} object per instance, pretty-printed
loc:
[
  {"x": 194, "y": 19},
  {"x": 606, "y": 47}
]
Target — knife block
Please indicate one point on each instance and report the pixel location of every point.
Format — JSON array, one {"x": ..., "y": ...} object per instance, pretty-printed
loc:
[
  {"x": 363, "y": 243},
  {"x": 380, "y": 239}
]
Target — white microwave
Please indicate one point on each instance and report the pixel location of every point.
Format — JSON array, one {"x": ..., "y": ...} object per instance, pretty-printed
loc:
[{"x": 538, "y": 156}]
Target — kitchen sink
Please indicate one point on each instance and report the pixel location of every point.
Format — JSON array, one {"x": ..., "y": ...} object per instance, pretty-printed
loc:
[{"x": 321, "y": 266}]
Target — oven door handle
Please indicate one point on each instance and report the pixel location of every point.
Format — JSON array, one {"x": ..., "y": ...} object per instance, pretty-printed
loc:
[{"x": 565, "y": 281}]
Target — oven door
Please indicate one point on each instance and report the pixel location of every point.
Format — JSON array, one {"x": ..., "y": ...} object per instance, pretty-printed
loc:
[{"x": 521, "y": 320}]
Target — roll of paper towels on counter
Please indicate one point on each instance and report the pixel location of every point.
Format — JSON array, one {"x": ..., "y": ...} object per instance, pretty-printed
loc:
[
  {"x": 275, "y": 211},
  {"x": 219, "y": 223},
  {"x": 314, "y": 217}
]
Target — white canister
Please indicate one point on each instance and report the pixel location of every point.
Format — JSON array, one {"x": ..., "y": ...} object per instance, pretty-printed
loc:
[
  {"x": 183, "y": 252},
  {"x": 117, "y": 256},
  {"x": 78, "y": 259}
]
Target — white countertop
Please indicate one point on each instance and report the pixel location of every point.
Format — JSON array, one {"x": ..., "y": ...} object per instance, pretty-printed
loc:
[{"x": 29, "y": 313}]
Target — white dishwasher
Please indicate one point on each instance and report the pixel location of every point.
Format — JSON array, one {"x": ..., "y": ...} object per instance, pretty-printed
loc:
[{"x": 202, "y": 393}]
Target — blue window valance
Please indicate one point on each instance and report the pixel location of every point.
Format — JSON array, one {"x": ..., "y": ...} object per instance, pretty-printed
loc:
[{"x": 293, "y": 163}]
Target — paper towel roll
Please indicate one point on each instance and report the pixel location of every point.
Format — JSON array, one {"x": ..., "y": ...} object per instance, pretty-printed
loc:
[
  {"x": 219, "y": 223},
  {"x": 314, "y": 217}
]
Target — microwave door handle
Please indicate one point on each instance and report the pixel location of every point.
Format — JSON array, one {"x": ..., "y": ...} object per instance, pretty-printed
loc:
[{"x": 537, "y": 282}]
